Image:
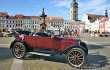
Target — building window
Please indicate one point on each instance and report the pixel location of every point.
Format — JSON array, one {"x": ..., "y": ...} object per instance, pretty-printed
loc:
[{"x": 74, "y": 11}]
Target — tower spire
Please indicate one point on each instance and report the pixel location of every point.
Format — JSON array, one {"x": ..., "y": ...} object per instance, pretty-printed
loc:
[
  {"x": 43, "y": 10},
  {"x": 106, "y": 13},
  {"x": 74, "y": 1}
]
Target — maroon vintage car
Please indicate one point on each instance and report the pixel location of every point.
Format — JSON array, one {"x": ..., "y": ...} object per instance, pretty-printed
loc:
[{"x": 46, "y": 45}]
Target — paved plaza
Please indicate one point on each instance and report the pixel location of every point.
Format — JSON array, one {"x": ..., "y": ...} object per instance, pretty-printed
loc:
[{"x": 98, "y": 57}]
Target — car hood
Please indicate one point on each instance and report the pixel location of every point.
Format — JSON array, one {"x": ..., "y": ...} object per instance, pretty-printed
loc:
[{"x": 69, "y": 39}]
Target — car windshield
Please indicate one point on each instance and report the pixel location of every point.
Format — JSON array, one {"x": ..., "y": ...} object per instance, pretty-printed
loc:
[
  {"x": 42, "y": 34},
  {"x": 23, "y": 32}
]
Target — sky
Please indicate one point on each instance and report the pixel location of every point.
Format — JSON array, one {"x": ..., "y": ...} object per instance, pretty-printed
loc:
[{"x": 54, "y": 8}]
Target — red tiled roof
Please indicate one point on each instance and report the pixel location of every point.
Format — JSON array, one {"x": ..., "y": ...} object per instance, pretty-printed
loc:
[
  {"x": 47, "y": 19},
  {"x": 34, "y": 16},
  {"x": 104, "y": 20},
  {"x": 3, "y": 14},
  {"x": 27, "y": 17},
  {"x": 11, "y": 17},
  {"x": 19, "y": 16},
  {"x": 57, "y": 18}
]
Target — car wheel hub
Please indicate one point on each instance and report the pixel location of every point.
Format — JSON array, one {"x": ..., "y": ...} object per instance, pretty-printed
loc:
[
  {"x": 76, "y": 58},
  {"x": 18, "y": 51}
]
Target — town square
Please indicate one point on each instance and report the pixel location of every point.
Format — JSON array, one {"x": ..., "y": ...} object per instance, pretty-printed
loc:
[{"x": 59, "y": 37}]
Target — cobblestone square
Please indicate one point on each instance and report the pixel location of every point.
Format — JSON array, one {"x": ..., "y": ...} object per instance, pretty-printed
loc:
[{"x": 97, "y": 59}]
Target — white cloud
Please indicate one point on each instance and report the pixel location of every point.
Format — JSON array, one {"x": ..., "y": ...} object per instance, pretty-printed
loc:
[
  {"x": 38, "y": 6},
  {"x": 61, "y": 3},
  {"x": 93, "y": 6},
  {"x": 88, "y": 6}
]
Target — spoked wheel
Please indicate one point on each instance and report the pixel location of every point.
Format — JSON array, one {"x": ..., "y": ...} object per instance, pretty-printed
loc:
[
  {"x": 19, "y": 50},
  {"x": 76, "y": 57}
]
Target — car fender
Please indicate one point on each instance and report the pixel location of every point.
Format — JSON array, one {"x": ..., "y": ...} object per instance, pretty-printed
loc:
[
  {"x": 15, "y": 42},
  {"x": 28, "y": 48},
  {"x": 73, "y": 46}
]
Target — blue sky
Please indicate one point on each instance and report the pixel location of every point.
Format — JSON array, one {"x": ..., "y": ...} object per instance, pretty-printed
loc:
[{"x": 56, "y": 8}]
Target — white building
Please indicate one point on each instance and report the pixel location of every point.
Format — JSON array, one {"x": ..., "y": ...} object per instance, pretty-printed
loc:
[
  {"x": 90, "y": 19},
  {"x": 35, "y": 23},
  {"x": 103, "y": 26},
  {"x": 108, "y": 25},
  {"x": 55, "y": 23},
  {"x": 95, "y": 25},
  {"x": 11, "y": 21},
  {"x": 3, "y": 20},
  {"x": 67, "y": 25}
]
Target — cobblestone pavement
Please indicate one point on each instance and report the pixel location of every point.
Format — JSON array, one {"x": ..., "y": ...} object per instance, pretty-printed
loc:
[
  {"x": 105, "y": 41},
  {"x": 98, "y": 57},
  {"x": 6, "y": 58}
]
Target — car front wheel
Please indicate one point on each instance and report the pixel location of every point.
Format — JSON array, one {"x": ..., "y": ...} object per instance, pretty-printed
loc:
[
  {"x": 76, "y": 57},
  {"x": 19, "y": 50}
]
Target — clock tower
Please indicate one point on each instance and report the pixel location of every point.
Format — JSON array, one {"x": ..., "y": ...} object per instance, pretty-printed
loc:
[{"x": 74, "y": 11}]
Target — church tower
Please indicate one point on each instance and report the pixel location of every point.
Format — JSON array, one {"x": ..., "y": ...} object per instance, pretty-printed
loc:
[{"x": 74, "y": 11}]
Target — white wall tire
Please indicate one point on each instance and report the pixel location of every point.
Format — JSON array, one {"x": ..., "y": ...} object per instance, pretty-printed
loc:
[
  {"x": 76, "y": 57},
  {"x": 19, "y": 50}
]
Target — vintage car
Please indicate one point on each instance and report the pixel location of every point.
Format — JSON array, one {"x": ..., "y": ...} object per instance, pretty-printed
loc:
[{"x": 46, "y": 45}]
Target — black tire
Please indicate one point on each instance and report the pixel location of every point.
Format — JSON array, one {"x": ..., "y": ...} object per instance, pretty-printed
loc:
[
  {"x": 76, "y": 57},
  {"x": 19, "y": 50}
]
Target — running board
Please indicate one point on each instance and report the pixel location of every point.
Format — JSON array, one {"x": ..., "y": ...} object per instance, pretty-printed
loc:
[{"x": 42, "y": 54}]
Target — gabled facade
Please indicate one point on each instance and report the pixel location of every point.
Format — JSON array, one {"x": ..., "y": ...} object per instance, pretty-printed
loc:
[
  {"x": 92, "y": 20},
  {"x": 19, "y": 21},
  {"x": 10, "y": 22},
  {"x": 89, "y": 19},
  {"x": 35, "y": 23},
  {"x": 103, "y": 25},
  {"x": 27, "y": 23},
  {"x": 3, "y": 16}
]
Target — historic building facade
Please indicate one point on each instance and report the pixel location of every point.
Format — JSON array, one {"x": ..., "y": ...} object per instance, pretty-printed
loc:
[
  {"x": 10, "y": 22},
  {"x": 3, "y": 16},
  {"x": 19, "y": 22},
  {"x": 22, "y": 22},
  {"x": 92, "y": 21},
  {"x": 35, "y": 23},
  {"x": 27, "y": 23}
]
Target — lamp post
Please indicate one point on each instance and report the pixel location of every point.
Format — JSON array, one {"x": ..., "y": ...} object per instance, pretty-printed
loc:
[{"x": 42, "y": 19}]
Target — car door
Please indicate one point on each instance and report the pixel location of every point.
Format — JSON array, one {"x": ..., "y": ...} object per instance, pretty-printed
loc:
[
  {"x": 30, "y": 40},
  {"x": 50, "y": 43},
  {"x": 46, "y": 43}
]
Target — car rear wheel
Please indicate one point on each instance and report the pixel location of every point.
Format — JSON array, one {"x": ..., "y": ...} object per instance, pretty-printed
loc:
[
  {"x": 76, "y": 57},
  {"x": 19, "y": 50}
]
